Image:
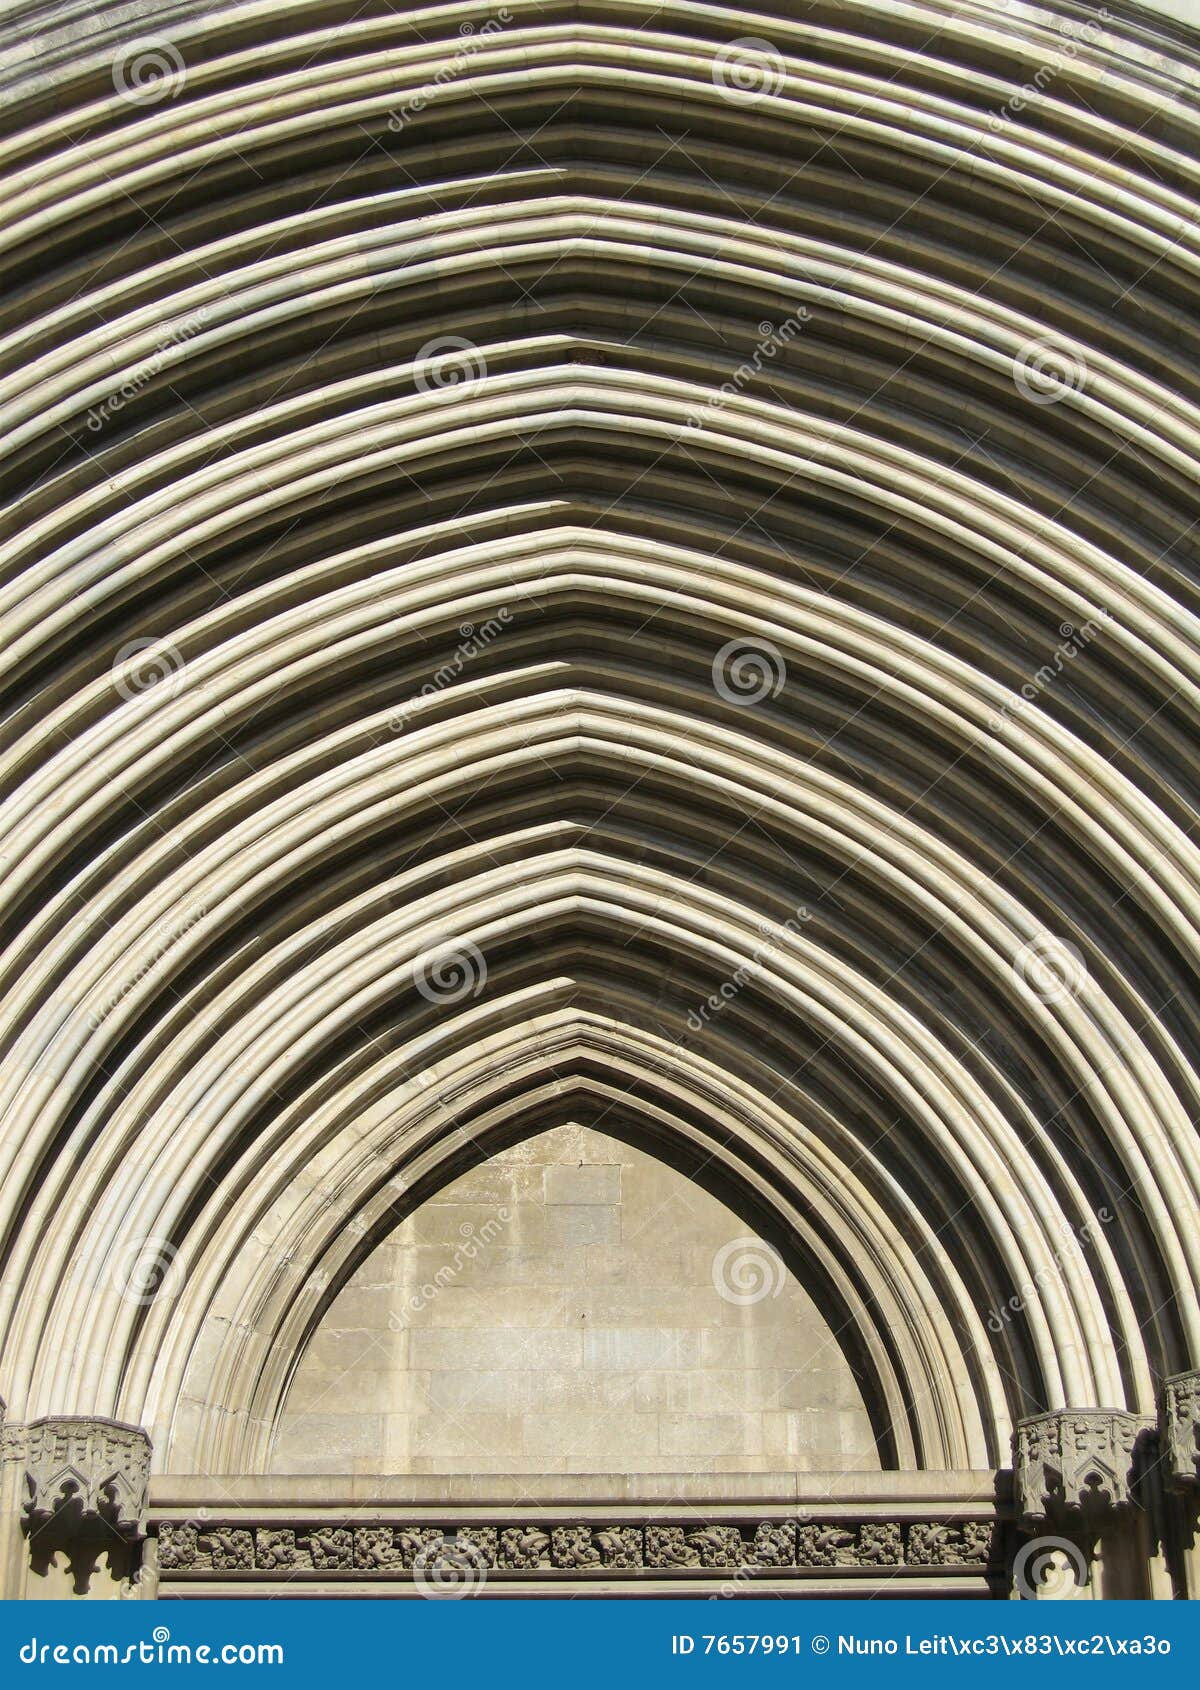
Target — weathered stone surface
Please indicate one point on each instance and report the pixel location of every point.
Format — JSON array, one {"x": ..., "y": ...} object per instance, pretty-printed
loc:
[
  {"x": 600, "y": 628},
  {"x": 571, "y": 1376}
]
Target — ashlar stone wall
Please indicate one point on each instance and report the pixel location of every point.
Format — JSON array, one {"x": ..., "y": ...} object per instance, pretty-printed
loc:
[{"x": 573, "y": 1305}]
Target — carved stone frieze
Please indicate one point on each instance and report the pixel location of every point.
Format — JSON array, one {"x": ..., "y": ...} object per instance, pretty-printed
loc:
[
  {"x": 524, "y": 1547},
  {"x": 880, "y": 1545},
  {"x": 573, "y": 1549},
  {"x": 85, "y": 1474},
  {"x": 375, "y": 1547},
  {"x": 331, "y": 1547},
  {"x": 477, "y": 1545},
  {"x": 775, "y": 1544},
  {"x": 177, "y": 1545},
  {"x": 620, "y": 1546},
  {"x": 667, "y": 1546},
  {"x": 1181, "y": 1429},
  {"x": 944, "y": 1545},
  {"x": 416, "y": 1543},
  {"x": 1075, "y": 1466},
  {"x": 274, "y": 1549},
  {"x": 826, "y": 1546},
  {"x": 232, "y": 1548},
  {"x": 718, "y": 1546}
]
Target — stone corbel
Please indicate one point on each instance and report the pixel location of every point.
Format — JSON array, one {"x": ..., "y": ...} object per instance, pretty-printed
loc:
[
  {"x": 1075, "y": 1468},
  {"x": 1181, "y": 1431},
  {"x": 86, "y": 1482},
  {"x": 96, "y": 1472}
]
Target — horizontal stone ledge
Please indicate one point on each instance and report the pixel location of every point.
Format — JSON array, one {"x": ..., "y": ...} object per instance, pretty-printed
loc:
[
  {"x": 968, "y": 1587},
  {"x": 978, "y": 1491}
]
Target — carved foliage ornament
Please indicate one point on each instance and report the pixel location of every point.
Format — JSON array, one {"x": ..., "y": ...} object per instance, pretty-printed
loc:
[
  {"x": 87, "y": 1473},
  {"x": 1075, "y": 1465},
  {"x": 586, "y": 1548}
]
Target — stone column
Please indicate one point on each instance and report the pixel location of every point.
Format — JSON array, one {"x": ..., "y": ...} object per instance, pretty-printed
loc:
[
  {"x": 12, "y": 1549},
  {"x": 72, "y": 1501},
  {"x": 1075, "y": 1471},
  {"x": 1181, "y": 1468}
]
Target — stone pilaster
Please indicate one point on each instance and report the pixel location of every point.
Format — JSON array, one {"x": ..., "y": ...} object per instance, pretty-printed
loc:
[
  {"x": 82, "y": 1485},
  {"x": 12, "y": 1556},
  {"x": 1075, "y": 1472}
]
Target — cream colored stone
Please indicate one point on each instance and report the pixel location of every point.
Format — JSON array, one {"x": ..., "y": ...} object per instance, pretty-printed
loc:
[
  {"x": 529, "y": 1357},
  {"x": 594, "y": 1182},
  {"x": 783, "y": 366}
]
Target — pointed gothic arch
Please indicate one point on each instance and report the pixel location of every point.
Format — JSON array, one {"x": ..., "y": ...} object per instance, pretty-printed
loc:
[{"x": 744, "y": 678}]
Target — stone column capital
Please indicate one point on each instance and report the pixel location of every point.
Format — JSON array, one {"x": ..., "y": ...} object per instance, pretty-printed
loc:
[
  {"x": 1074, "y": 1467},
  {"x": 1181, "y": 1430},
  {"x": 86, "y": 1474}
]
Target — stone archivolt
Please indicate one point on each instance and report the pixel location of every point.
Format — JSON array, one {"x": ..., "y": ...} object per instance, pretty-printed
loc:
[{"x": 767, "y": 660}]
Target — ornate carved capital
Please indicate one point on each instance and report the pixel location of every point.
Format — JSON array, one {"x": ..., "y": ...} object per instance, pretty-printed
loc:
[
  {"x": 12, "y": 1444},
  {"x": 12, "y": 1448},
  {"x": 1075, "y": 1466},
  {"x": 1181, "y": 1429},
  {"x": 85, "y": 1474}
]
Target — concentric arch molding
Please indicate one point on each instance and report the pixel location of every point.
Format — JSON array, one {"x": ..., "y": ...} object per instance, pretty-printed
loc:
[{"x": 697, "y": 534}]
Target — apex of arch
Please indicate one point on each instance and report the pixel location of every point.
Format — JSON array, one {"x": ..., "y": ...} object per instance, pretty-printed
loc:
[
  {"x": 1075, "y": 1466},
  {"x": 1181, "y": 1429}
]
